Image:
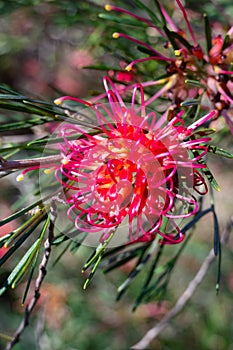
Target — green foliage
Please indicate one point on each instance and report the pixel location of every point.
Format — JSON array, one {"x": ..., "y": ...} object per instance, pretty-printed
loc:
[
  {"x": 152, "y": 264},
  {"x": 41, "y": 113}
]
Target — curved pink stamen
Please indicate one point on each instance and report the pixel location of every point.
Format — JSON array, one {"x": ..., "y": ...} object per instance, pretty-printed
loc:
[
  {"x": 142, "y": 19},
  {"x": 187, "y": 22},
  {"x": 151, "y": 58},
  {"x": 139, "y": 42}
]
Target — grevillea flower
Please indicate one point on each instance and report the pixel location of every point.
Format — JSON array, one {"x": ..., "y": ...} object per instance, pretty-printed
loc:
[
  {"x": 121, "y": 75},
  {"x": 129, "y": 168},
  {"x": 192, "y": 73},
  {"x": 121, "y": 166}
]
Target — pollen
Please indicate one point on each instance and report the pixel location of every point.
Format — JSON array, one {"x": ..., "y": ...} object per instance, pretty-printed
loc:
[
  {"x": 115, "y": 35},
  {"x": 6, "y": 245},
  {"x": 20, "y": 177},
  {"x": 217, "y": 69},
  {"x": 177, "y": 53},
  {"x": 57, "y": 101},
  {"x": 65, "y": 161},
  {"x": 128, "y": 68},
  {"x": 108, "y": 7},
  {"x": 48, "y": 171}
]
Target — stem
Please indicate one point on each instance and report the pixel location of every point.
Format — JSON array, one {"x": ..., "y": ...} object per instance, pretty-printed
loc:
[
  {"x": 40, "y": 278},
  {"x": 185, "y": 297},
  {"x": 26, "y": 163}
]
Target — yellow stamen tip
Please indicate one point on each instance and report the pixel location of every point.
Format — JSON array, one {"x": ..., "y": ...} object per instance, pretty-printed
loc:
[
  {"x": 217, "y": 69},
  {"x": 128, "y": 68},
  {"x": 65, "y": 161},
  {"x": 177, "y": 53},
  {"x": 20, "y": 177},
  {"x": 57, "y": 101},
  {"x": 115, "y": 35},
  {"x": 48, "y": 171},
  {"x": 108, "y": 7}
]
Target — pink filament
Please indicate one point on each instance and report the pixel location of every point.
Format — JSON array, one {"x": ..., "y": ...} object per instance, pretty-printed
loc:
[
  {"x": 187, "y": 22},
  {"x": 106, "y": 190}
]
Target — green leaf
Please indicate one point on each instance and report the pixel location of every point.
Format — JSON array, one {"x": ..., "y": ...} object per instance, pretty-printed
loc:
[
  {"x": 24, "y": 99},
  {"x": 31, "y": 253},
  {"x": 217, "y": 241},
  {"x": 227, "y": 41},
  {"x": 203, "y": 132},
  {"x": 207, "y": 33},
  {"x": 157, "y": 288},
  {"x": 20, "y": 241},
  {"x": 112, "y": 261},
  {"x": 171, "y": 38},
  {"x": 214, "y": 183},
  {"x": 197, "y": 217},
  {"x": 24, "y": 124},
  {"x": 147, "y": 51},
  {"x": 20, "y": 108},
  {"x": 96, "y": 257},
  {"x": 21, "y": 229},
  {"x": 24, "y": 263},
  {"x": 7, "y": 89},
  {"x": 12, "y": 153},
  {"x": 32, "y": 268},
  {"x": 142, "y": 261},
  {"x": 160, "y": 11},
  {"x": 60, "y": 239},
  {"x": 192, "y": 102},
  {"x": 20, "y": 268},
  {"x": 206, "y": 171},
  {"x": 101, "y": 67},
  {"x": 22, "y": 103},
  {"x": 52, "y": 140},
  {"x": 219, "y": 151},
  {"x": 22, "y": 211},
  {"x": 195, "y": 83},
  {"x": 11, "y": 97},
  {"x": 148, "y": 10},
  {"x": 183, "y": 41},
  {"x": 3, "y": 239},
  {"x": 63, "y": 252},
  {"x": 122, "y": 20}
]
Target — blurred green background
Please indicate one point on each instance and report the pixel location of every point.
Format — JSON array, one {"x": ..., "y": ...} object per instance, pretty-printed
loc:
[{"x": 43, "y": 47}]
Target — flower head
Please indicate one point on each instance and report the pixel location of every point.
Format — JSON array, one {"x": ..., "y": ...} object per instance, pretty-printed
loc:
[
  {"x": 192, "y": 71},
  {"x": 130, "y": 169},
  {"x": 122, "y": 169}
]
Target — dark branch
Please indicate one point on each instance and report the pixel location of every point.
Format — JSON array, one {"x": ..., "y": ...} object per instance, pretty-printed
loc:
[
  {"x": 40, "y": 278},
  {"x": 185, "y": 297},
  {"x": 26, "y": 163}
]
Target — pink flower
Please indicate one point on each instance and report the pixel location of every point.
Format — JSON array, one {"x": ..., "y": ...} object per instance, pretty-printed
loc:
[
  {"x": 215, "y": 53},
  {"x": 191, "y": 72},
  {"x": 131, "y": 169},
  {"x": 122, "y": 169}
]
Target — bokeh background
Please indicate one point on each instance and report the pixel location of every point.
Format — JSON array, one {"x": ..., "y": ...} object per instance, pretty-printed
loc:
[{"x": 44, "y": 46}]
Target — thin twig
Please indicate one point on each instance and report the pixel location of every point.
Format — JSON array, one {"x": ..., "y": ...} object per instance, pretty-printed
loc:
[
  {"x": 41, "y": 275},
  {"x": 184, "y": 298},
  {"x": 25, "y": 163}
]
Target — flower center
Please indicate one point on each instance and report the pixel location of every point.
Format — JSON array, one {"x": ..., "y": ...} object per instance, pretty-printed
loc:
[{"x": 115, "y": 178}]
